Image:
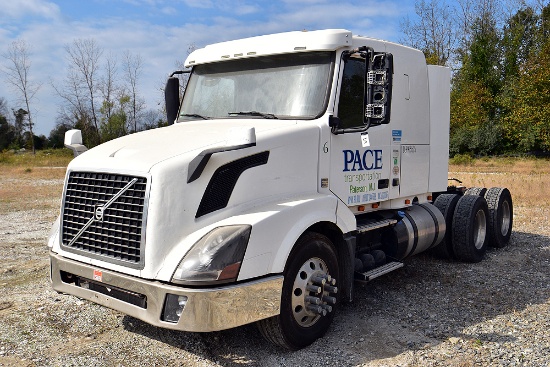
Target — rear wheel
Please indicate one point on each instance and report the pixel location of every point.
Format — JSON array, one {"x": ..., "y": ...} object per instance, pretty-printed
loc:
[
  {"x": 499, "y": 201},
  {"x": 309, "y": 294},
  {"x": 476, "y": 191},
  {"x": 446, "y": 203},
  {"x": 469, "y": 232}
]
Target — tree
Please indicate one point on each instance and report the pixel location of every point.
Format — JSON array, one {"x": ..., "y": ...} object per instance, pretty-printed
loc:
[
  {"x": 6, "y": 130},
  {"x": 56, "y": 139},
  {"x": 108, "y": 87},
  {"x": 432, "y": 32},
  {"x": 17, "y": 76},
  {"x": 115, "y": 127},
  {"x": 133, "y": 65},
  {"x": 19, "y": 130},
  {"x": 81, "y": 88},
  {"x": 527, "y": 122},
  {"x": 519, "y": 41}
]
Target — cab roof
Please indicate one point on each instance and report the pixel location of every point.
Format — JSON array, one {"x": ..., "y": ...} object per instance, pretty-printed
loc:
[{"x": 273, "y": 44}]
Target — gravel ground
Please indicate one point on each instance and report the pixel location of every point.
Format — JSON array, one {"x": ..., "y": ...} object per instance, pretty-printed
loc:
[{"x": 429, "y": 313}]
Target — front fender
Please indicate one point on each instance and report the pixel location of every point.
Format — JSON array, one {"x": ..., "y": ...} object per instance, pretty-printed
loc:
[
  {"x": 276, "y": 226},
  {"x": 282, "y": 223}
]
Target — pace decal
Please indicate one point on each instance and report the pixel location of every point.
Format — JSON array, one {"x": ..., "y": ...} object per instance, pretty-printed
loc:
[
  {"x": 362, "y": 161},
  {"x": 363, "y": 170}
]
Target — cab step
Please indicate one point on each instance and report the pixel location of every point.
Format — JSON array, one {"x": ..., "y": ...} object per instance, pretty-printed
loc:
[
  {"x": 379, "y": 271},
  {"x": 373, "y": 224}
]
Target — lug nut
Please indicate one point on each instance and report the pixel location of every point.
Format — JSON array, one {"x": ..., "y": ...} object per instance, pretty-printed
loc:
[
  {"x": 318, "y": 280},
  {"x": 317, "y": 309},
  {"x": 313, "y": 288},
  {"x": 327, "y": 308},
  {"x": 330, "y": 300},
  {"x": 313, "y": 300},
  {"x": 331, "y": 289}
]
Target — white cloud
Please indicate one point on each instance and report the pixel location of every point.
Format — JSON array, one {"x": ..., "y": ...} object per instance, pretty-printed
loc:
[
  {"x": 204, "y": 4},
  {"x": 161, "y": 45},
  {"x": 26, "y": 8}
]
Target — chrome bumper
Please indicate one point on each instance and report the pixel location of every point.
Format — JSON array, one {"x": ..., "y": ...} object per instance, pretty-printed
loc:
[{"x": 206, "y": 309}]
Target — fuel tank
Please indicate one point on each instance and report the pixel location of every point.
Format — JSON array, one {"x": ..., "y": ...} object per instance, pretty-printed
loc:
[{"x": 421, "y": 227}]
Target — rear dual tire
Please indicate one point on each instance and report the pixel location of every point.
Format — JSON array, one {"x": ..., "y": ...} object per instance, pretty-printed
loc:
[
  {"x": 469, "y": 228},
  {"x": 478, "y": 219},
  {"x": 501, "y": 216}
]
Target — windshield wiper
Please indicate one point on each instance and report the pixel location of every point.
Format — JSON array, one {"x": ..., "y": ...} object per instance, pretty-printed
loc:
[
  {"x": 195, "y": 115},
  {"x": 255, "y": 113}
]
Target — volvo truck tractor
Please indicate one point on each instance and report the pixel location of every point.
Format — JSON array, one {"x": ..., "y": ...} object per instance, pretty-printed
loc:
[{"x": 294, "y": 165}]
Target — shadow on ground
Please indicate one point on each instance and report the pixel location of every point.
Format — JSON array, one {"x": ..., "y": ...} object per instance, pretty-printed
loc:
[{"x": 426, "y": 302}]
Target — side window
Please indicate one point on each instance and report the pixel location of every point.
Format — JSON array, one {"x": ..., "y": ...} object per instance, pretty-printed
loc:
[{"x": 350, "y": 105}]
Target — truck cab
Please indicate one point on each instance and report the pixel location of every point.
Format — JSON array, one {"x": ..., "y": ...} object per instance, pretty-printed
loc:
[{"x": 295, "y": 164}]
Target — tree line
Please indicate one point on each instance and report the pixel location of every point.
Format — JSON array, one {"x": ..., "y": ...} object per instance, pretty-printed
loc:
[
  {"x": 499, "y": 51},
  {"x": 500, "y": 56},
  {"x": 99, "y": 95}
]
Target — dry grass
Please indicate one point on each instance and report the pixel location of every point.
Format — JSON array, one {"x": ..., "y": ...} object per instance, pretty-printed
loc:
[
  {"x": 28, "y": 181},
  {"x": 527, "y": 180},
  {"x": 32, "y": 181}
]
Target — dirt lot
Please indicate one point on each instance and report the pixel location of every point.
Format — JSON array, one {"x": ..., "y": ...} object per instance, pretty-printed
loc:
[{"x": 430, "y": 313}]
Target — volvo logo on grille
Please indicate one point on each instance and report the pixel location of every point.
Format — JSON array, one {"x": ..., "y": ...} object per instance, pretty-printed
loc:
[{"x": 99, "y": 211}]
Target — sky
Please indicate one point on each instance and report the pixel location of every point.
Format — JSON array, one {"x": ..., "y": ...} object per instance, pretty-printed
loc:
[{"x": 161, "y": 31}]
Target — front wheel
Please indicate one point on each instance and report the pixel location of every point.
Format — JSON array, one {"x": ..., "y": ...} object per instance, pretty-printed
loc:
[{"x": 309, "y": 294}]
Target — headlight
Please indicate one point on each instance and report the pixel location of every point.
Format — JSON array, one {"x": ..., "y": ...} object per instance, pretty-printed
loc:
[{"x": 216, "y": 257}]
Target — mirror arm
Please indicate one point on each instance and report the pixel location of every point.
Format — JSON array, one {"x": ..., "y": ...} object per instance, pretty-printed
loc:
[{"x": 179, "y": 72}]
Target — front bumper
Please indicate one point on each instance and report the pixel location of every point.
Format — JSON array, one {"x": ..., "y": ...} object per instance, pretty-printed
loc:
[{"x": 206, "y": 310}]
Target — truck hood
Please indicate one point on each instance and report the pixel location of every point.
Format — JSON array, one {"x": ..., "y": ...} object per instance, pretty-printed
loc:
[{"x": 141, "y": 151}]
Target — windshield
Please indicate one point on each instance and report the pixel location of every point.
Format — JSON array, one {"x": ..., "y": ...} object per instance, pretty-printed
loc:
[{"x": 283, "y": 86}]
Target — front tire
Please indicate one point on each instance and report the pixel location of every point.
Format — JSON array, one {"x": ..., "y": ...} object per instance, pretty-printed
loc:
[{"x": 306, "y": 314}]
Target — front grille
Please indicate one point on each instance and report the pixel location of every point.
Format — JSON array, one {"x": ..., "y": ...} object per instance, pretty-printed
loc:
[{"x": 96, "y": 225}]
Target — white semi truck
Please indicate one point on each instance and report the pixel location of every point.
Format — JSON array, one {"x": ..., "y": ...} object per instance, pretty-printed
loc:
[{"x": 295, "y": 165}]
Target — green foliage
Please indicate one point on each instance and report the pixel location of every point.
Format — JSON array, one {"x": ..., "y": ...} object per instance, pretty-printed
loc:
[
  {"x": 462, "y": 159},
  {"x": 43, "y": 158},
  {"x": 527, "y": 103},
  {"x": 115, "y": 125},
  {"x": 6, "y": 133},
  {"x": 500, "y": 99}
]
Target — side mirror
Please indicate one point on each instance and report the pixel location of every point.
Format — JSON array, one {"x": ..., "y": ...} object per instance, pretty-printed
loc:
[
  {"x": 73, "y": 141},
  {"x": 172, "y": 98},
  {"x": 378, "y": 88}
]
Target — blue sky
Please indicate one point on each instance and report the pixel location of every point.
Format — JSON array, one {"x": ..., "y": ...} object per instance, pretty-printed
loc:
[{"x": 160, "y": 31}]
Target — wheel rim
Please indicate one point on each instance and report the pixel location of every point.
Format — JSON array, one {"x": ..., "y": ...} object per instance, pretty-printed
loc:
[
  {"x": 307, "y": 278},
  {"x": 505, "y": 223},
  {"x": 480, "y": 229}
]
